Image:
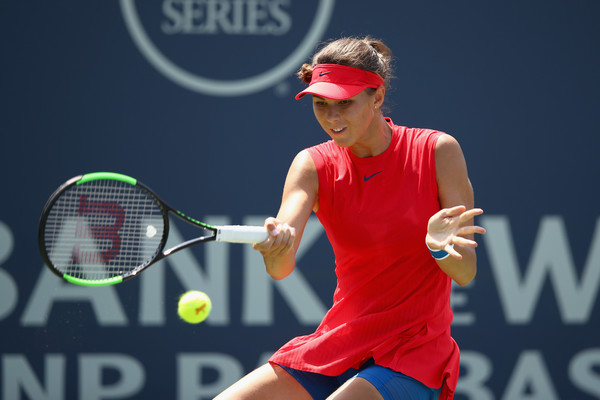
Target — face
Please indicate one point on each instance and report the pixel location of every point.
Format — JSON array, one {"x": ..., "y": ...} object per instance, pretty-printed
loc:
[{"x": 352, "y": 122}]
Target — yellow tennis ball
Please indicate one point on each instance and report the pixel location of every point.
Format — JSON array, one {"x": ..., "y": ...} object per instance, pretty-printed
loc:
[{"x": 194, "y": 307}]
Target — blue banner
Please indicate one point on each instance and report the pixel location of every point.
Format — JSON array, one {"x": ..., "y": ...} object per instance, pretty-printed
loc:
[{"x": 195, "y": 98}]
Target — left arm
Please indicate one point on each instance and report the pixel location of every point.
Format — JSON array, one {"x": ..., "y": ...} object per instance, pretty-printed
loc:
[{"x": 453, "y": 224}]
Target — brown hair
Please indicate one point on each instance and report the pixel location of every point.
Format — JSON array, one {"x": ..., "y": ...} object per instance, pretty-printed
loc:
[{"x": 364, "y": 53}]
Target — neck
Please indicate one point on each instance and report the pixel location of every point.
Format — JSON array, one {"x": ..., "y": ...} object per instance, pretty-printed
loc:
[{"x": 379, "y": 139}]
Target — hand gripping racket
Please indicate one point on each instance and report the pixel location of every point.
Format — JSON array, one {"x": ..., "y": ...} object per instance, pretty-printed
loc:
[{"x": 103, "y": 228}]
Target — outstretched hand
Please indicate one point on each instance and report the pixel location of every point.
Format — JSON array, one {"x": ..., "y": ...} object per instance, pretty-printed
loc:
[{"x": 446, "y": 228}]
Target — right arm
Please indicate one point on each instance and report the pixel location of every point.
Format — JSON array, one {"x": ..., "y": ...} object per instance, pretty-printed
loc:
[{"x": 300, "y": 197}]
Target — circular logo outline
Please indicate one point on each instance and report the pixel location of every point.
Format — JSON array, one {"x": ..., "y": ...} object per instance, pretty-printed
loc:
[{"x": 225, "y": 88}]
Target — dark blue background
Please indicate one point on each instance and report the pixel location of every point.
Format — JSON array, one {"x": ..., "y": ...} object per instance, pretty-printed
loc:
[{"x": 516, "y": 82}]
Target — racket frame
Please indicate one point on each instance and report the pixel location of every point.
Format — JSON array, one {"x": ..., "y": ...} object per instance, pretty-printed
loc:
[{"x": 160, "y": 252}]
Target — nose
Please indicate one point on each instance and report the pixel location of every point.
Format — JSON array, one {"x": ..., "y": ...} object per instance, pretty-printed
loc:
[{"x": 333, "y": 114}]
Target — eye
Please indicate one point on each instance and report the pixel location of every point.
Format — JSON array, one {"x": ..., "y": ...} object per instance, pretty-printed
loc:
[{"x": 345, "y": 102}]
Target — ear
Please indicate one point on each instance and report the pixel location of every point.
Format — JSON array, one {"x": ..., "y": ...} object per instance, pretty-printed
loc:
[{"x": 379, "y": 97}]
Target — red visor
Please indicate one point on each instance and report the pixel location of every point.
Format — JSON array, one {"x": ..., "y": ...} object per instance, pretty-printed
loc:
[{"x": 339, "y": 82}]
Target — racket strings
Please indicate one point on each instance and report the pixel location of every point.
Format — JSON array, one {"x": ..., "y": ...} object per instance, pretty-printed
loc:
[{"x": 103, "y": 228}]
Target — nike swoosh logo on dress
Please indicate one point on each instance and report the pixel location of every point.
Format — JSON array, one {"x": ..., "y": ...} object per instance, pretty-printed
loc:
[{"x": 366, "y": 178}]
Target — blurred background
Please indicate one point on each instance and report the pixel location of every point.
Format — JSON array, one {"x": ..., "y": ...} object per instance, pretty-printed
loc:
[{"x": 195, "y": 99}]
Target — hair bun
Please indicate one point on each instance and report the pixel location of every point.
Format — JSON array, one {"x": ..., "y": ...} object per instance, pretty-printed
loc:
[
  {"x": 383, "y": 51},
  {"x": 305, "y": 73}
]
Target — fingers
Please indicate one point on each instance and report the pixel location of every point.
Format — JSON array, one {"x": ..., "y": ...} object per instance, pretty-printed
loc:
[
  {"x": 468, "y": 230},
  {"x": 449, "y": 221},
  {"x": 461, "y": 211},
  {"x": 452, "y": 251},
  {"x": 271, "y": 225},
  {"x": 457, "y": 213},
  {"x": 461, "y": 241},
  {"x": 470, "y": 214},
  {"x": 453, "y": 211},
  {"x": 280, "y": 241}
]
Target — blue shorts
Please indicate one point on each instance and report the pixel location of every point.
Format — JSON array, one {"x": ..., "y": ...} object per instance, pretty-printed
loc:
[{"x": 391, "y": 384}]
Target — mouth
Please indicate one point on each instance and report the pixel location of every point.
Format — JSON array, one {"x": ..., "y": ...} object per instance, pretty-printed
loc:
[{"x": 337, "y": 131}]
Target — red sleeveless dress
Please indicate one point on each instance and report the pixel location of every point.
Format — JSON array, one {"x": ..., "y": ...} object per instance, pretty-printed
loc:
[{"x": 392, "y": 301}]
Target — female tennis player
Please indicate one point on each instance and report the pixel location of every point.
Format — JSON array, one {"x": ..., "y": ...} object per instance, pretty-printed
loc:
[{"x": 397, "y": 206}]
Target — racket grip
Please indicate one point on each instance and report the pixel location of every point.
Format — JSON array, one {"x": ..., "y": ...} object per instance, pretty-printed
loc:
[{"x": 241, "y": 234}]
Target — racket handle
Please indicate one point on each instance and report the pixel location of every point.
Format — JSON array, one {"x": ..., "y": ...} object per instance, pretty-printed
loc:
[{"x": 241, "y": 234}]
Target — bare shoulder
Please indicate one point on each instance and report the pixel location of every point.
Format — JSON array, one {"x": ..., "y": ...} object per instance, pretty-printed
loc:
[
  {"x": 452, "y": 176},
  {"x": 302, "y": 178},
  {"x": 449, "y": 157},
  {"x": 303, "y": 172},
  {"x": 447, "y": 145},
  {"x": 304, "y": 162}
]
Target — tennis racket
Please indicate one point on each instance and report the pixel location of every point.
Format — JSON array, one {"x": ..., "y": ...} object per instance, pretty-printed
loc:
[{"x": 103, "y": 228}]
